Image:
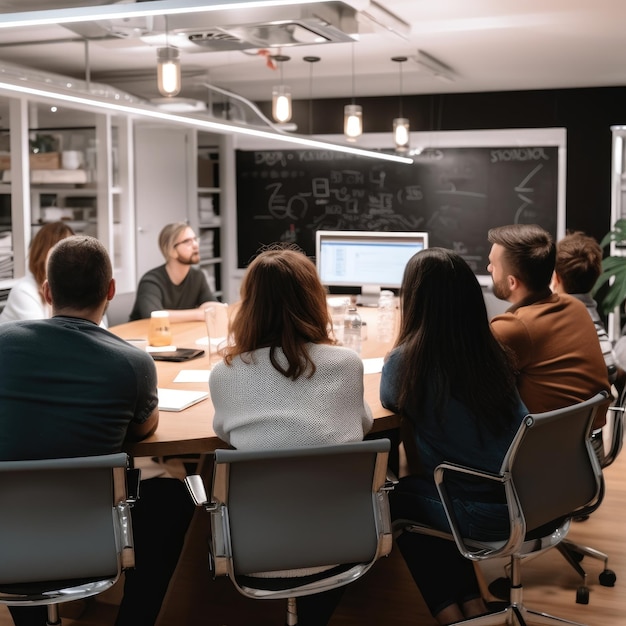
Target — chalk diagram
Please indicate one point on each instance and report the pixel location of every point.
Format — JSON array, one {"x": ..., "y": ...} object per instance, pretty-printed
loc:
[{"x": 523, "y": 192}]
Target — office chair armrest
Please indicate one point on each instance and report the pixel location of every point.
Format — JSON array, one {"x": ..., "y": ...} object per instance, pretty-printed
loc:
[
  {"x": 219, "y": 546},
  {"x": 470, "y": 548},
  {"x": 616, "y": 409},
  {"x": 133, "y": 479},
  {"x": 465, "y": 470},
  {"x": 197, "y": 491},
  {"x": 391, "y": 481},
  {"x": 126, "y": 544}
]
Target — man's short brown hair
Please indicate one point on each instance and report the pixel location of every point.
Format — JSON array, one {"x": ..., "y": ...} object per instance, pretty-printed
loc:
[
  {"x": 529, "y": 253},
  {"x": 79, "y": 273},
  {"x": 578, "y": 262}
]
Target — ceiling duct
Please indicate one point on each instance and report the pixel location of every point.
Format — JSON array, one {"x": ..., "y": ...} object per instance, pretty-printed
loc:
[
  {"x": 267, "y": 27},
  {"x": 234, "y": 29},
  {"x": 227, "y": 29}
]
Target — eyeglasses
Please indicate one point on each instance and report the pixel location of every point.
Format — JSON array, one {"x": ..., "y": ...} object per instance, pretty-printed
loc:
[{"x": 186, "y": 242}]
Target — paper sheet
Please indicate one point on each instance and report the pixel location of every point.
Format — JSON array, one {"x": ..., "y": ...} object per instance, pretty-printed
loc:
[
  {"x": 193, "y": 376},
  {"x": 179, "y": 399},
  {"x": 373, "y": 366}
]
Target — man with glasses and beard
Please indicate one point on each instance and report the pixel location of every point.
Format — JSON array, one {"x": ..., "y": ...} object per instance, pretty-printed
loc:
[
  {"x": 552, "y": 339},
  {"x": 176, "y": 286}
]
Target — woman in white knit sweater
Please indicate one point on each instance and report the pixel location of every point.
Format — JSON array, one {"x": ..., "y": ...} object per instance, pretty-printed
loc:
[{"x": 284, "y": 382}]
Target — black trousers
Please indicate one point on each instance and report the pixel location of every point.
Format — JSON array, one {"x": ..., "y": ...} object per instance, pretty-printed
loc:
[{"x": 160, "y": 517}]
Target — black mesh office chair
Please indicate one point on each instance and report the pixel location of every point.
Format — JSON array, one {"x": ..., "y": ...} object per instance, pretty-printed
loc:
[
  {"x": 613, "y": 434},
  {"x": 275, "y": 513},
  {"x": 65, "y": 529},
  {"x": 549, "y": 475}
]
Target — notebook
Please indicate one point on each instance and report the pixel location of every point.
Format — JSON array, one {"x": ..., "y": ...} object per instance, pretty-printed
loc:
[{"x": 179, "y": 399}]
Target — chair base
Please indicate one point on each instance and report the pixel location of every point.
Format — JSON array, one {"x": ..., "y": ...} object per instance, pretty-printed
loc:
[
  {"x": 53, "y": 615},
  {"x": 517, "y": 615},
  {"x": 574, "y": 554},
  {"x": 292, "y": 612}
]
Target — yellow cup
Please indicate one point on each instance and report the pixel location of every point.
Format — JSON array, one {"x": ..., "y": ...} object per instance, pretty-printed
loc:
[{"x": 159, "y": 332}]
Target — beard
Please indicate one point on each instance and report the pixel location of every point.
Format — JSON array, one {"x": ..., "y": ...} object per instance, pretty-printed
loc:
[
  {"x": 192, "y": 259},
  {"x": 501, "y": 289}
]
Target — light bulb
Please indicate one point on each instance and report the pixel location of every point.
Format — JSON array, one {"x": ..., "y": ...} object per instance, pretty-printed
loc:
[
  {"x": 168, "y": 71},
  {"x": 281, "y": 103},
  {"x": 352, "y": 121},
  {"x": 401, "y": 133}
]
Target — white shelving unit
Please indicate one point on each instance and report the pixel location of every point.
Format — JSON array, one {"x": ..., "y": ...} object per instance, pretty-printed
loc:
[
  {"x": 618, "y": 211},
  {"x": 209, "y": 220},
  {"x": 95, "y": 198},
  {"x": 207, "y": 217}
]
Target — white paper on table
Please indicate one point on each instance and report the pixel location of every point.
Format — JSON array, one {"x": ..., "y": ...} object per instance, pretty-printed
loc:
[
  {"x": 193, "y": 376},
  {"x": 161, "y": 349},
  {"x": 373, "y": 366},
  {"x": 179, "y": 399}
]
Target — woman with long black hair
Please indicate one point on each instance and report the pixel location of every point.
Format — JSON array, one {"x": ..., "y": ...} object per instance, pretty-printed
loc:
[{"x": 454, "y": 383}]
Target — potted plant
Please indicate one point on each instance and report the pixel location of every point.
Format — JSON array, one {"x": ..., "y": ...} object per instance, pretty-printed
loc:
[{"x": 610, "y": 288}]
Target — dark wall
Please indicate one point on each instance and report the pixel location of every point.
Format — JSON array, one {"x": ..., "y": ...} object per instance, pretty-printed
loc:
[{"x": 587, "y": 114}]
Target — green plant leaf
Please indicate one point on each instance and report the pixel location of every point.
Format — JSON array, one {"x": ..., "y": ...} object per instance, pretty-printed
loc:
[
  {"x": 617, "y": 233},
  {"x": 614, "y": 277},
  {"x": 611, "y": 284}
]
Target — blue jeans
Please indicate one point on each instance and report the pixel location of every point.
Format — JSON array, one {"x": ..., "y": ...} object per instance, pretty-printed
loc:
[{"x": 442, "y": 574}]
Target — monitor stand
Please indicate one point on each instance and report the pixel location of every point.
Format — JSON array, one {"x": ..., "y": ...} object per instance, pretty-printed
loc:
[{"x": 369, "y": 295}]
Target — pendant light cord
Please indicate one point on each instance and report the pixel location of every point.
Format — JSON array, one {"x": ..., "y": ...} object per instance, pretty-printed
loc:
[
  {"x": 400, "y": 61},
  {"x": 401, "y": 90},
  {"x": 311, "y": 60},
  {"x": 353, "y": 90}
]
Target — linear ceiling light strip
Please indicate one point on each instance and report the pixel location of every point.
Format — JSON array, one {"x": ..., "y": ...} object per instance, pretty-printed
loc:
[
  {"x": 121, "y": 11},
  {"x": 217, "y": 127}
]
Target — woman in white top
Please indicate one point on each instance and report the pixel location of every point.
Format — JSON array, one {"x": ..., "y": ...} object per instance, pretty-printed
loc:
[
  {"x": 25, "y": 301},
  {"x": 284, "y": 382}
]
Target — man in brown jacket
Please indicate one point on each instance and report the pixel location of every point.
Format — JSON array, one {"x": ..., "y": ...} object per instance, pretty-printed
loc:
[{"x": 551, "y": 337}]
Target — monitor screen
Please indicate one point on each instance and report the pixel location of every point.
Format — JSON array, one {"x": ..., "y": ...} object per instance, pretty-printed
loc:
[{"x": 359, "y": 258}]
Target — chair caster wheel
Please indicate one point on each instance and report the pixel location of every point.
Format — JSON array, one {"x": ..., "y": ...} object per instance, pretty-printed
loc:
[
  {"x": 582, "y": 595},
  {"x": 607, "y": 578}
]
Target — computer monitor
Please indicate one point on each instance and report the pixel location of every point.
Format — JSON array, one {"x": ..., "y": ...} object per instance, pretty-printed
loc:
[{"x": 369, "y": 260}]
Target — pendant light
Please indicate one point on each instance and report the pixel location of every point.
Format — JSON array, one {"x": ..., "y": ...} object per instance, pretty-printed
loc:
[
  {"x": 400, "y": 123},
  {"x": 168, "y": 68},
  {"x": 352, "y": 114},
  {"x": 311, "y": 61},
  {"x": 281, "y": 95}
]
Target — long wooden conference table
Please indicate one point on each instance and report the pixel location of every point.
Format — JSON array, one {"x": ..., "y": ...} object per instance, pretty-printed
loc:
[{"x": 191, "y": 431}]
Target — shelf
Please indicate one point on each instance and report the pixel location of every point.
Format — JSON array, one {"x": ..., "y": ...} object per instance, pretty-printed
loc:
[
  {"x": 213, "y": 261},
  {"x": 65, "y": 191},
  {"x": 202, "y": 190},
  {"x": 214, "y": 224},
  {"x": 52, "y": 177}
]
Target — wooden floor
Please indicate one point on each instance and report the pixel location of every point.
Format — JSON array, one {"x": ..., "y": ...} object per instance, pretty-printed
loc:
[{"x": 387, "y": 595}]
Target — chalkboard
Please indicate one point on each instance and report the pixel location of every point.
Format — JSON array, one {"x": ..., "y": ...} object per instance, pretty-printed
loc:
[{"x": 455, "y": 194}]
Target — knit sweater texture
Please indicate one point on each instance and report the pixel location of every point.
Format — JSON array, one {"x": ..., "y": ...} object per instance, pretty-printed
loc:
[{"x": 256, "y": 406}]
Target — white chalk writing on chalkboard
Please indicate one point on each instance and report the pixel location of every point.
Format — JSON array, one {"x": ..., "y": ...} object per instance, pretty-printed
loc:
[{"x": 456, "y": 194}]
